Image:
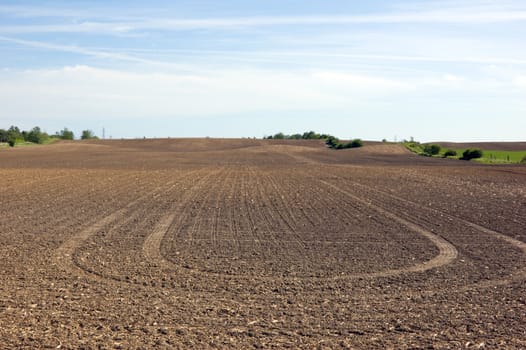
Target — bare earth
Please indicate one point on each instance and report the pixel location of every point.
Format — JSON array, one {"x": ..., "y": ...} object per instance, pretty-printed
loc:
[{"x": 207, "y": 243}]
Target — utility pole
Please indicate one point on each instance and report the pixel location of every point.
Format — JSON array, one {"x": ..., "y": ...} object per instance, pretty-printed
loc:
[{"x": 103, "y": 133}]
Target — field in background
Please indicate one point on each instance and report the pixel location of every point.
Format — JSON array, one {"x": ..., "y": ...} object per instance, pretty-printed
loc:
[
  {"x": 236, "y": 243},
  {"x": 493, "y": 152}
]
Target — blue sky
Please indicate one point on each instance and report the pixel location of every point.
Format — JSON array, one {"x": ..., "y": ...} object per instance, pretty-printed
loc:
[{"x": 432, "y": 70}]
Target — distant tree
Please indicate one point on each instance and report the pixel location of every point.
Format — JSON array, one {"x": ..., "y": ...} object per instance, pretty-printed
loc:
[
  {"x": 472, "y": 153},
  {"x": 310, "y": 135},
  {"x": 87, "y": 135},
  {"x": 36, "y": 135},
  {"x": 356, "y": 143},
  {"x": 66, "y": 134},
  {"x": 14, "y": 133},
  {"x": 332, "y": 142},
  {"x": 432, "y": 149},
  {"x": 10, "y": 135},
  {"x": 450, "y": 153},
  {"x": 279, "y": 136}
]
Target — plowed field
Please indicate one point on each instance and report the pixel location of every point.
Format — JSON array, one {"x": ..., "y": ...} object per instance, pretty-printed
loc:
[{"x": 206, "y": 243}]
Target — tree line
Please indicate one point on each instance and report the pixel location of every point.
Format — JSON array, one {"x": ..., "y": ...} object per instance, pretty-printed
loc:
[
  {"x": 14, "y": 135},
  {"x": 330, "y": 141},
  {"x": 433, "y": 150},
  {"x": 307, "y": 135}
]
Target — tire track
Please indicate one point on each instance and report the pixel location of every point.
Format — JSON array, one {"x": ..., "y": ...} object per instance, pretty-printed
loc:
[
  {"x": 64, "y": 254},
  {"x": 447, "y": 252},
  {"x": 152, "y": 244},
  {"x": 518, "y": 275}
]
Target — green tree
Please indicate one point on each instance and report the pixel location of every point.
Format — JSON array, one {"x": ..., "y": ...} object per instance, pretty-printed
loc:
[
  {"x": 332, "y": 142},
  {"x": 14, "y": 133},
  {"x": 310, "y": 135},
  {"x": 87, "y": 135},
  {"x": 3, "y": 135},
  {"x": 356, "y": 143},
  {"x": 450, "y": 153},
  {"x": 432, "y": 149},
  {"x": 279, "y": 136},
  {"x": 66, "y": 134},
  {"x": 472, "y": 153},
  {"x": 36, "y": 135}
]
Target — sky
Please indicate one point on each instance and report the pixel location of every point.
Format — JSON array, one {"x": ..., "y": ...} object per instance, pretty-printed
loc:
[{"x": 428, "y": 70}]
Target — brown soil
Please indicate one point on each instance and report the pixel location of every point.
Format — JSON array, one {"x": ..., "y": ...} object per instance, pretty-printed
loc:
[{"x": 206, "y": 243}]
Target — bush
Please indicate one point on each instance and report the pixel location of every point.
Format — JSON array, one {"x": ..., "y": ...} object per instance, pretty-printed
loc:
[
  {"x": 11, "y": 142},
  {"x": 311, "y": 135},
  {"x": 523, "y": 160},
  {"x": 472, "y": 153},
  {"x": 356, "y": 143},
  {"x": 89, "y": 135},
  {"x": 36, "y": 135},
  {"x": 66, "y": 134},
  {"x": 332, "y": 142},
  {"x": 432, "y": 150},
  {"x": 450, "y": 153}
]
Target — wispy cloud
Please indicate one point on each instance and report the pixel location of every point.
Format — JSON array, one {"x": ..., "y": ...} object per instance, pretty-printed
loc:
[
  {"x": 286, "y": 57},
  {"x": 170, "y": 24},
  {"x": 36, "y": 11},
  {"x": 92, "y": 52}
]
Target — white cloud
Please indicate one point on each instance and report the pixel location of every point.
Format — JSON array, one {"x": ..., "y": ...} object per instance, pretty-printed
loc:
[
  {"x": 83, "y": 91},
  {"x": 76, "y": 95},
  {"x": 453, "y": 78},
  {"x": 342, "y": 80},
  {"x": 520, "y": 81}
]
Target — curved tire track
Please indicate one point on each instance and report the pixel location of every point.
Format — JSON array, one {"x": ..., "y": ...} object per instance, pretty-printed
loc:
[
  {"x": 518, "y": 275},
  {"x": 64, "y": 254},
  {"x": 447, "y": 252},
  {"x": 152, "y": 244}
]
